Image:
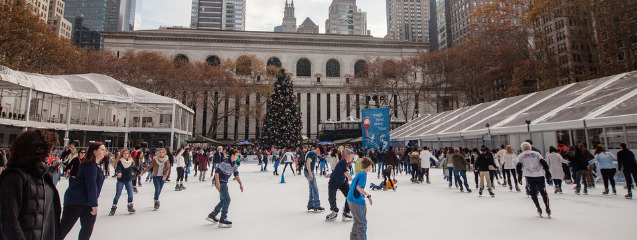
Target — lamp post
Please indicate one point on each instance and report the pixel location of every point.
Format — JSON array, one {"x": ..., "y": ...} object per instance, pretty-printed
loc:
[
  {"x": 528, "y": 126},
  {"x": 108, "y": 143},
  {"x": 489, "y": 133}
]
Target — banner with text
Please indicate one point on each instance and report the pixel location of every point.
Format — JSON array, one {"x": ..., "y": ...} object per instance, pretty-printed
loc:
[{"x": 376, "y": 128}]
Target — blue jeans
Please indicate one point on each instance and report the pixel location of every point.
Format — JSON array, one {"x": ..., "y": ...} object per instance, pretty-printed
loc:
[
  {"x": 461, "y": 173},
  {"x": 56, "y": 178},
  {"x": 118, "y": 191},
  {"x": 159, "y": 184},
  {"x": 224, "y": 201},
  {"x": 314, "y": 201},
  {"x": 380, "y": 168}
]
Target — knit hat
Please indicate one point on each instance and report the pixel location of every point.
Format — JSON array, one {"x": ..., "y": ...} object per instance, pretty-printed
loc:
[{"x": 348, "y": 151}]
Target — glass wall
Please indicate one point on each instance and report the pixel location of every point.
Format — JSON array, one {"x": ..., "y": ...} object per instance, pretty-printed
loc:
[
  {"x": 13, "y": 103},
  {"x": 615, "y": 136},
  {"x": 151, "y": 115}
]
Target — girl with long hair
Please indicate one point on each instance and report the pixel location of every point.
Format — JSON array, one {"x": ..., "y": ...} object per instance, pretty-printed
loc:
[
  {"x": 81, "y": 197},
  {"x": 124, "y": 172},
  {"x": 160, "y": 167},
  {"x": 509, "y": 162}
]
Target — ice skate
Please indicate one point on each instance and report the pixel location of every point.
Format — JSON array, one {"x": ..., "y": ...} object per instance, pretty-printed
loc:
[
  {"x": 177, "y": 188},
  {"x": 468, "y": 190},
  {"x": 182, "y": 187},
  {"x": 212, "y": 217},
  {"x": 480, "y": 192},
  {"x": 131, "y": 210},
  {"x": 556, "y": 191},
  {"x": 224, "y": 223},
  {"x": 539, "y": 212},
  {"x": 113, "y": 209},
  {"x": 331, "y": 216},
  {"x": 135, "y": 189},
  {"x": 605, "y": 192},
  {"x": 548, "y": 212},
  {"x": 156, "y": 207},
  {"x": 629, "y": 196},
  {"x": 319, "y": 209},
  {"x": 614, "y": 191},
  {"x": 347, "y": 217},
  {"x": 491, "y": 193}
]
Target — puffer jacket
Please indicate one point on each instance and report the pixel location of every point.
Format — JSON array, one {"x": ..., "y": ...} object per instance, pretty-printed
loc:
[
  {"x": 33, "y": 211},
  {"x": 414, "y": 157}
]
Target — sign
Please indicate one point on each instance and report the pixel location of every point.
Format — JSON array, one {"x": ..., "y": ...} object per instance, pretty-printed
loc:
[{"x": 375, "y": 128}]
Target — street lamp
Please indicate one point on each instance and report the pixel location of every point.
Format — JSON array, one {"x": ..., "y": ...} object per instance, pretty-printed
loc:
[
  {"x": 107, "y": 141},
  {"x": 528, "y": 125}
]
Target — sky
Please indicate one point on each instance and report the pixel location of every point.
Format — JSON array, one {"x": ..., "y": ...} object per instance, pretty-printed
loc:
[{"x": 262, "y": 15}]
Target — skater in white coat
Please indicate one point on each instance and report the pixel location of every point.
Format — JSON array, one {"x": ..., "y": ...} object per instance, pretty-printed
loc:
[
  {"x": 509, "y": 161},
  {"x": 425, "y": 162},
  {"x": 181, "y": 166},
  {"x": 555, "y": 161}
]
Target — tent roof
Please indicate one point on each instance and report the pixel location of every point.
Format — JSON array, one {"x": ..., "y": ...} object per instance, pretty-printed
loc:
[
  {"x": 202, "y": 139},
  {"x": 83, "y": 86},
  {"x": 608, "y": 101}
]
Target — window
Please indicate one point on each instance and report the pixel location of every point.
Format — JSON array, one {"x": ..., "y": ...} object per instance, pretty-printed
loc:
[
  {"x": 303, "y": 68},
  {"x": 181, "y": 60},
  {"x": 244, "y": 65},
  {"x": 360, "y": 68},
  {"x": 333, "y": 68},
  {"x": 273, "y": 66},
  {"x": 213, "y": 61}
]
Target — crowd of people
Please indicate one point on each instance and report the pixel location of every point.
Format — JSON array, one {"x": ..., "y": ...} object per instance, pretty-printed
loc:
[{"x": 30, "y": 205}]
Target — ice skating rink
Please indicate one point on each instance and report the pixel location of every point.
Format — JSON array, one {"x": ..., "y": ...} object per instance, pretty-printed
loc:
[{"x": 268, "y": 209}]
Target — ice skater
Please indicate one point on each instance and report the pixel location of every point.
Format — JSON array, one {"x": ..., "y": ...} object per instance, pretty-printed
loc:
[
  {"x": 160, "y": 167},
  {"x": 485, "y": 159},
  {"x": 288, "y": 159},
  {"x": 509, "y": 161},
  {"x": 534, "y": 168},
  {"x": 180, "y": 164},
  {"x": 356, "y": 201},
  {"x": 555, "y": 162},
  {"x": 339, "y": 181},
  {"x": 311, "y": 157},
  {"x": 125, "y": 172},
  {"x": 227, "y": 168}
]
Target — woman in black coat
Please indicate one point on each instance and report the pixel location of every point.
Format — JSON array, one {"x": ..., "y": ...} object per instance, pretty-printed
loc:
[{"x": 29, "y": 201}]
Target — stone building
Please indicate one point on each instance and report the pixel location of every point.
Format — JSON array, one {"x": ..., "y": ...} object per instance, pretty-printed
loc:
[
  {"x": 321, "y": 66},
  {"x": 308, "y": 26}
]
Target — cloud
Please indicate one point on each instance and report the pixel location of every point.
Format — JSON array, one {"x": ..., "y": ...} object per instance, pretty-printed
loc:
[{"x": 262, "y": 15}]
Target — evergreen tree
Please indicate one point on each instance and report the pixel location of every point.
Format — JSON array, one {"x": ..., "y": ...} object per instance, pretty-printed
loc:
[{"x": 282, "y": 123}]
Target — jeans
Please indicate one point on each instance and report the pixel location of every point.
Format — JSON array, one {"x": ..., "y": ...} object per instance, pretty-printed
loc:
[
  {"x": 118, "y": 191},
  {"x": 150, "y": 174},
  {"x": 461, "y": 173},
  {"x": 331, "y": 192},
  {"x": 159, "y": 184},
  {"x": 224, "y": 201},
  {"x": 609, "y": 174},
  {"x": 450, "y": 177},
  {"x": 70, "y": 216},
  {"x": 580, "y": 176},
  {"x": 56, "y": 177},
  {"x": 314, "y": 201},
  {"x": 380, "y": 168}
]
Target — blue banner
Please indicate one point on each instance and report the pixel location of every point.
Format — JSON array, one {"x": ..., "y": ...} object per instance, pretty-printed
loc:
[{"x": 376, "y": 128}]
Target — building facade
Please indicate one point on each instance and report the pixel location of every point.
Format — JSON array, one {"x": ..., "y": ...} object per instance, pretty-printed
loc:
[
  {"x": 459, "y": 11},
  {"x": 218, "y": 14},
  {"x": 346, "y": 19},
  {"x": 56, "y": 19},
  {"x": 443, "y": 24},
  {"x": 321, "y": 66},
  {"x": 308, "y": 26},
  {"x": 289, "y": 20},
  {"x": 97, "y": 15},
  {"x": 408, "y": 20}
]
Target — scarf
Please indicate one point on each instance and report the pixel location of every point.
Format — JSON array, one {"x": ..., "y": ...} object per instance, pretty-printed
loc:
[
  {"x": 126, "y": 162},
  {"x": 160, "y": 160}
]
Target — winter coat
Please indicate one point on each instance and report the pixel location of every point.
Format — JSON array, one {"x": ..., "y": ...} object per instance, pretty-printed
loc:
[
  {"x": 29, "y": 205},
  {"x": 85, "y": 189},
  {"x": 509, "y": 160},
  {"x": 626, "y": 160},
  {"x": 484, "y": 161},
  {"x": 414, "y": 157},
  {"x": 203, "y": 162},
  {"x": 153, "y": 165},
  {"x": 459, "y": 162},
  {"x": 605, "y": 160},
  {"x": 425, "y": 158},
  {"x": 579, "y": 161},
  {"x": 555, "y": 165},
  {"x": 391, "y": 158},
  {"x": 127, "y": 173}
]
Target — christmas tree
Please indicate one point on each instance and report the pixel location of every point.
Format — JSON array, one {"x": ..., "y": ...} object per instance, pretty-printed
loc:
[{"x": 282, "y": 123}]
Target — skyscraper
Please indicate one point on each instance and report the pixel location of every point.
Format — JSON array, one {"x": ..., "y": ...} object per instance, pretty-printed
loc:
[
  {"x": 308, "y": 26},
  {"x": 345, "y": 18},
  {"x": 97, "y": 15},
  {"x": 130, "y": 15},
  {"x": 218, "y": 14},
  {"x": 289, "y": 20},
  {"x": 408, "y": 20}
]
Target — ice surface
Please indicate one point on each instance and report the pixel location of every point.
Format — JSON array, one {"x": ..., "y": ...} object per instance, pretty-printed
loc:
[{"x": 268, "y": 209}]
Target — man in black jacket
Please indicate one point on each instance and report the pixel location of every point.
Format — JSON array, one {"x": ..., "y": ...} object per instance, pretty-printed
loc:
[
  {"x": 626, "y": 162},
  {"x": 485, "y": 159}
]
